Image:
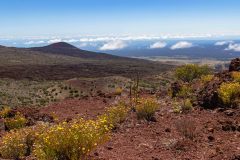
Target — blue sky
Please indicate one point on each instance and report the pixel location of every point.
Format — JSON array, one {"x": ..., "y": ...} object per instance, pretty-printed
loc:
[{"x": 118, "y": 17}]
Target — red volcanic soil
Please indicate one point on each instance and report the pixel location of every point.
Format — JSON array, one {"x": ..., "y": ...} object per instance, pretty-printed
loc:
[
  {"x": 72, "y": 108},
  {"x": 216, "y": 136},
  {"x": 198, "y": 135}
]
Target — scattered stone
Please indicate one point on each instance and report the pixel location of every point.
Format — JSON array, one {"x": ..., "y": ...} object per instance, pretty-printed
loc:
[
  {"x": 229, "y": 112},
  {"x": 236, "y": 157},
  {"x": 211, "y": 138},
  {"x": 104, "y": 101},
  {"x": 155, "y": 158},
  {"x": 96, "y": 153},
  {"x": 210, "y": 130},
  {"x": 153, "y": 119},
  {"x": 167, "y": 130},
  {"x": 109, "y": 148},
  {"x": 226, "y": 128}
]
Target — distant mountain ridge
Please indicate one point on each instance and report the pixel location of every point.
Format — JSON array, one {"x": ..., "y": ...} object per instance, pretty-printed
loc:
[
  {"x": 63, "y": 48},
  {"x": 61, "y": 61}
]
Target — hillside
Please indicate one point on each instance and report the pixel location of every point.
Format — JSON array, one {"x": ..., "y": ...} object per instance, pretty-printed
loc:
[
  {"x": 66, "y": 49},
  {"x": 64, "y": 61},
  {"x": 193, "y": 115}
]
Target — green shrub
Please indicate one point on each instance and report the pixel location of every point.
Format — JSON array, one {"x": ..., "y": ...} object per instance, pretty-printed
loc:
[
  {"x": 116, "y": 114},
  {"x": 182, "y": 107},
  {"x": 118, "y": 91},
  {"x": 229, "y": 92},
  {"x": 187, "y": 105},
  {"x": 189, "y": 72},
  {"x": 206, "y": 78},
  {"x": 4, "y": 113},
  {"x": 186, "y": 91},
  {"x": 146, "y": 108},
  {"x": 16, "y": 122},
  {"x": 177, "y": 108}
]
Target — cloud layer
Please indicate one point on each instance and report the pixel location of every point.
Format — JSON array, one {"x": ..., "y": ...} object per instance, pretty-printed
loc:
[
  {"x": 158, "y": 45},
  {"x": 34, "y": 42},
  {"x": 113, "y": 45},
  {"x": 181, "y": 45},
  {"x": 233, "y": 47},
  {"x": 221, "y": 43}
]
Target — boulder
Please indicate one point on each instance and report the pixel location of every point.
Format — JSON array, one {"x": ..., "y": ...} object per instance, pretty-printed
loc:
[
  {"x": 208, "y": 96},
  {"x": 234, "y": 65}
]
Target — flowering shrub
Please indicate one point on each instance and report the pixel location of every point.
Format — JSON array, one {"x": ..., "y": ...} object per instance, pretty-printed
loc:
[
  {"x": 182, "y": 107},
  {"x": 229, "y": 92},
  {"x": 116, "y": 114},
  {"x": 118, "y": 91},
  {"x": 185, "y": 91},
  {"x": 146, "y": 108},
  {"x": 187, "y": 105},
  {"x": 177, "y": 108},
  {"x": 236, "y": 76},
  {"x": 16, "y": 122},
  {"x": 71, "y": 141},
  {"x": 206, "y": 78},
  {"x": 189, "y": 72},
  {"x": 4, "y": 113},
  {"x": 19, "y": 143},
  {"x": 63, "y": 141}
]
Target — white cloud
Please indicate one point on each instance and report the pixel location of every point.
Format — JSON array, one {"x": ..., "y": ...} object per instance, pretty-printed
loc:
[
  {"x": 71, "y": 40},
  {"x": 83, "y": 44},
  {"x": 34, "y": 42},
  {"x": 54, "y": 41},
  {"x": 114, "y": 45},
  {"x": 158, "y": 45},
  {"x": 233, "y": 47},
  {"x": 221, "y": 43},
  {"x": 182, "y": 44}
]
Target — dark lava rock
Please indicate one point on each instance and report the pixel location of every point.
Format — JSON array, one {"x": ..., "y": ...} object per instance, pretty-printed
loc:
[
  {"x": 234, "y": 65},
  {"x": 167, "y": 130},
  {"x": 175, "y": 87},
  {"x": 211, "y": 138},
  {"x": 208, "y": 96}
]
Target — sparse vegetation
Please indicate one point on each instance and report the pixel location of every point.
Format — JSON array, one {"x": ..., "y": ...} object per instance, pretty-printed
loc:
[
  {"x": 118, "y": 91},
  {"x": 206, "y": 78},
  {"x": 186, "y": 91},
  {"x": 17, "y": 144},
  {"x": 187, "y": 105},
  {"x": 70, "y": 140},
  {"x": 16, "y": 122},
  {"x": 189, "y": 72},
  {"x": 73, "y": 140},
  {"x": 229, "y": 92},
  {"x": 116, "y": 114},
  {"x": 4, "y": 113},
  {"x": 236, "y": 76},
  {"x": 187, "y": 128},
  {"x": 146, "y": 108}
]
